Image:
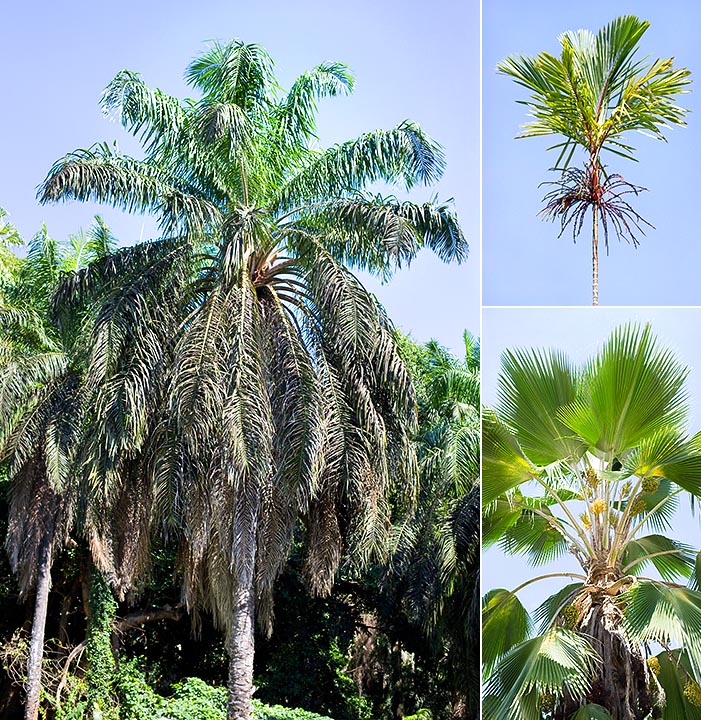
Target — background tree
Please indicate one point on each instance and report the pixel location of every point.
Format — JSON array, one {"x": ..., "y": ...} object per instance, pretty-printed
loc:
[
  {"x": 592, "y": 96},
  {"x": 41, "y": 418},
  {"x": 286, "y": 398},
  {"x": 585, "y": 462}
]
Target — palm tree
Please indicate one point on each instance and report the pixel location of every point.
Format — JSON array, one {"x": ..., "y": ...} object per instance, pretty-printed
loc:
[
  {"x": 438, "y": 550},
  {"x": 42, "y": 411},
  {"x": 247, "y": 381},
  {"x": 430, "y": 585},
  {"x": 589, "y": 463},
  {"x": 592, "y": 96}
]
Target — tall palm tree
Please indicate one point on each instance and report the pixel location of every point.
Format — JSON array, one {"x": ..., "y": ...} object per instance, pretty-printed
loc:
[
  {"x": 589, "y": 464},
  {"x": 248, "y": 382},
  {"x": 42, "y": 411},
  {"x": 593, "y": 96}
]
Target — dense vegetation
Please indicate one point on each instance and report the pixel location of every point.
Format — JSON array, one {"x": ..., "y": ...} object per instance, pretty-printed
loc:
[{"x": 221, "y": 428}]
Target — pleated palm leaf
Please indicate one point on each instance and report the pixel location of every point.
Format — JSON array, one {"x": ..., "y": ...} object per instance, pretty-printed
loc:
[
  {"x": 589, "y": 464},
  {"x": 248, "y": 380},
  {"x": 592, "y": 96},
  {"x": 434, "y": 569},
  {"x": 42, "y": 413}
]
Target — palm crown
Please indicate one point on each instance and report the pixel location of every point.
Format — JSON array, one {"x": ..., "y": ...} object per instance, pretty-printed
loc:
[
  {"x": 591, "y": 97},
  {"x": 243, "y": 377},
  {"x": 584, "y": 462}
]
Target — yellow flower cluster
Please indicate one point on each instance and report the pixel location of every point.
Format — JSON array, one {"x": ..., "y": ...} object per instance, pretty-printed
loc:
[
  {"x": 592, "y": 477},
  {"x": 598, "y": 506}
]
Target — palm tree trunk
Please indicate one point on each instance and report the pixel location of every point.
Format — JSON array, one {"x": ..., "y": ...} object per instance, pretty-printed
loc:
[
  {"x": 595, "y": 255},
  {"x": 36, "y": 645},
  {"x": 241, "y": 643},
  {"x": 622, "y": 683}
]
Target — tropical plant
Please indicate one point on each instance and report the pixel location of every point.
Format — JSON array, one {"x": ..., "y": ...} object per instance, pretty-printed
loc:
[
  {"x": 589, "y": 464},
  {"x": 247, "y": 380},
  {"x": 592, "y": 96},
  {"x": 429, "y": 599},
  {"x": 42, "y": 411},
  {"x": 9, "y": 261}
]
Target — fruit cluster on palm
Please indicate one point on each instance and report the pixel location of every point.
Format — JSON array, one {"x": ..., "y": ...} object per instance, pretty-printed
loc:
[
  {"x": 592, "y": 96},
  {"x": 590, "y": 463},
  {"x": 234, "y": 378}
]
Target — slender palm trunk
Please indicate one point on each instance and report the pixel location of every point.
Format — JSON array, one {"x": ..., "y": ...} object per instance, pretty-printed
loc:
[
  {"x": 36, "y": 645},
  {"x": 241, "y": 645},
  {"x": 595, "y": 255}
]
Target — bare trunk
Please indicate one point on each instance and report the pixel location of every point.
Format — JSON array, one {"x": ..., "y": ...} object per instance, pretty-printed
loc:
[
  {"x": 241, "y": 648},
  {"x": 595, "y": 256},
  {"x": 36, "y": 646}
]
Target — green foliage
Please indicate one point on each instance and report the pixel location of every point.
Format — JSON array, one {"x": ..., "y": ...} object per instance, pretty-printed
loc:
[
  {"x": 101, "y": 663},
  {"x": 608, "y": 438},
  {"x": 191, "y": 699}
]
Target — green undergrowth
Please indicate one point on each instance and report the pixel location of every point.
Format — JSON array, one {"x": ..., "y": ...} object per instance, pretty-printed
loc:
[{"x": 191, "y": 699}]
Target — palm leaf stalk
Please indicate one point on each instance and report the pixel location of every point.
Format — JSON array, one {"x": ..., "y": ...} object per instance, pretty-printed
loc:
[
  {"x": 589, "y": 463},
  {"x": 246, "y": 381},
  {"x": 596, "y": 92}
]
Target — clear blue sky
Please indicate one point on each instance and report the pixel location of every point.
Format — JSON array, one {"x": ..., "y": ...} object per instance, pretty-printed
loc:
[
  {"x": 524, "y": 261},
  {"x": 409, "y": 61},
  {"x": 580, "y": 332}
]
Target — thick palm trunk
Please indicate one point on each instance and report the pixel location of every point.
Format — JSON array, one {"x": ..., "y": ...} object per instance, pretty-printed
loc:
[
  {"x": 595, "y": 256},
  {"x": 36, "y": 645},
  {"x": 241, "y": 647},
  {"x": 623, "y": 682}
]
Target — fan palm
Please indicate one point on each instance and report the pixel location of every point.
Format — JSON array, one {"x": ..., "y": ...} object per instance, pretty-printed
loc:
[
  {"x": 246, "y": 379},
  {"x": 42, "y": 411},
  {"x": 589, "y": 463},
  {"x": 592, "y": 96}
]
